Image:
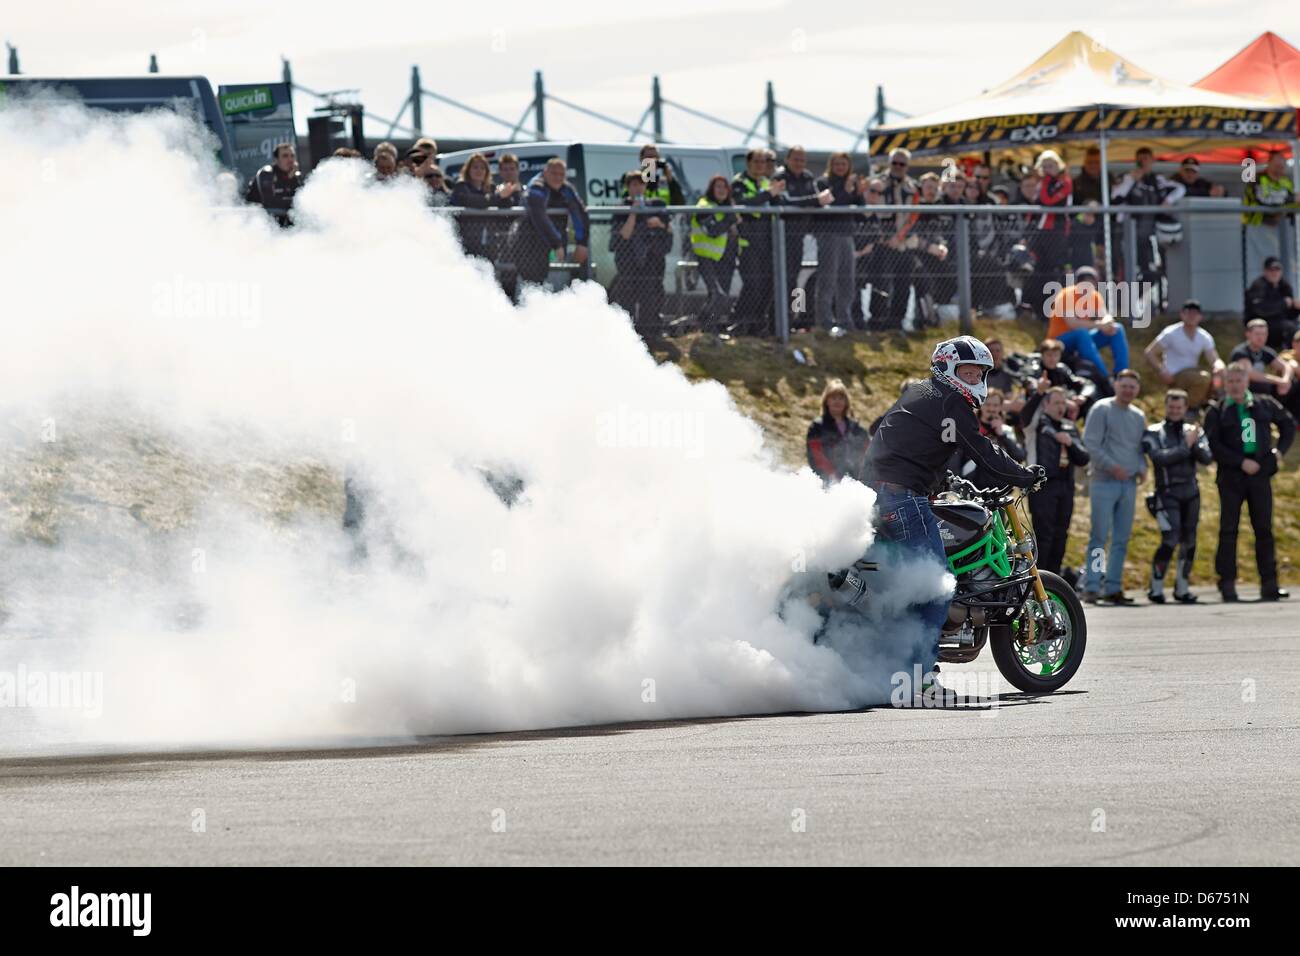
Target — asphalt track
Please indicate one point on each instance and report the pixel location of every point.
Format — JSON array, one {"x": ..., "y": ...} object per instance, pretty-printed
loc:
[{"x": 1155, "y": 754}]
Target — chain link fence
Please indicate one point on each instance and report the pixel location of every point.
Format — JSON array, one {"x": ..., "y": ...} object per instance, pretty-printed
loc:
[{"x": 768, "y": 271}]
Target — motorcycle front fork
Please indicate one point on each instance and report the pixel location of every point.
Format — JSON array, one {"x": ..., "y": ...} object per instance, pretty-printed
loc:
[
  {"x": 1051, "y": 621},
  {"x": 1022, "y": 535}
]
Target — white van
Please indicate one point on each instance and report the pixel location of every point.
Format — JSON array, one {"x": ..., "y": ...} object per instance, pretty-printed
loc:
[{"x": 596, "y": 171}]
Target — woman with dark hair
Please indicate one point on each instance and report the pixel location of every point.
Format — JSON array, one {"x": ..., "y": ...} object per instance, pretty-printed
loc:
[
  {"x": 474, "y": 190},
  {"x": 713, "y": 240},
  {"x": 837, "y": 445},
  {"x": 835, "y": 261}
]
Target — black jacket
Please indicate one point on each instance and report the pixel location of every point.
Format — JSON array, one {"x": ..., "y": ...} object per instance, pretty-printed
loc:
[
  {"x": 646, "y": 249},
  {"x": 1224, "y": 430},
  {"x": 945, "y": 225},
  {"x": 1200, "y": 186},
  {"x": 273, "y": 190},
  {"x": 872, "y": 229},
  {"x": 966, "y": 467},
  {"x": 835, "y": 456},
  {"x": 1003, "y": 380},
  {"x": 1172, "y": 461},
  {"x": 936, "y": 228},
  {"x": 800, "y": 190},
  {"x": 1086, "y": 188},
  {"x": 477, "y": 233},
  {"x": 836, "y": 225},
  {"x": 1266, "y": 301},
  {"x": 917, "y": 436},
  {"x": 1045, "y": 450}
]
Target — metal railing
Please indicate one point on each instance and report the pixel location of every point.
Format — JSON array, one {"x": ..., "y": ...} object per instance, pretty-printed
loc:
[{"x": 954, "y": 260}]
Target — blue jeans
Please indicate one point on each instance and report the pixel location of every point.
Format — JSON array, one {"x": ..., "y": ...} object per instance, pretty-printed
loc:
[
  {"x": 1112, "y": 517},
  {"x": 1089, "y": 343},
  {"x": 907, "y": 521}
]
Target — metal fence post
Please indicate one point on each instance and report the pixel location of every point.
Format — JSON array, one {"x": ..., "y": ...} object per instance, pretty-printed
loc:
[
  {"x": 1286, "y": 247},
  {"x": 539, "y": 104},
  {"x": 780, "y": 280},
  {"x": 1130, "y": 249},
  {"x": 417, "y": 104},
  {"x": 963, "y": 274}
]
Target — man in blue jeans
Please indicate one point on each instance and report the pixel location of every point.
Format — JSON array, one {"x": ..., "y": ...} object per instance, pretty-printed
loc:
[
  {"x": 1113, "y": 434},
  {"x": 1079, "y": 319},
  {"x": 911, "y": 448}
]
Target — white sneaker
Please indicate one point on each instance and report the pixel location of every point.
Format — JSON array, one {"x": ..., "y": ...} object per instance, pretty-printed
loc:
[
  {"x": 1005, "y": 311},
  {"x": 946, "y": 313}
]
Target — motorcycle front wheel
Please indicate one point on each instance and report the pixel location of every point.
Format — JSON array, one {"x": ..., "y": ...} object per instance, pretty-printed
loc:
[{"x": 1046, "y": 665}]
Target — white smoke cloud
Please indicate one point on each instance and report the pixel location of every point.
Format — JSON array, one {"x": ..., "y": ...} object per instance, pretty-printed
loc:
[{"x": 172, "y": 364}]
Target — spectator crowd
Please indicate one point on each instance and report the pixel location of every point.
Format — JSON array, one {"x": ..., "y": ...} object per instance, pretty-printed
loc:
[
  {"x": 1239, "y": 416},
  {"x": 1065, "y": 407},
  {"x": 870, "y": 270}
]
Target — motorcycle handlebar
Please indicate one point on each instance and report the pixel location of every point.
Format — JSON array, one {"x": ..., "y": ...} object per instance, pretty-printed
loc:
[{"x": 956, "y": 482}]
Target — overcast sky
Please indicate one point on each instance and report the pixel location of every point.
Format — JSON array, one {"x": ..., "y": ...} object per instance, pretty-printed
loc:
[{"x": 824, "y": 58}]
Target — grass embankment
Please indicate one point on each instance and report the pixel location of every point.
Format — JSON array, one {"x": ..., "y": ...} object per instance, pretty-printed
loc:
[{"x": 782, "y": 396}]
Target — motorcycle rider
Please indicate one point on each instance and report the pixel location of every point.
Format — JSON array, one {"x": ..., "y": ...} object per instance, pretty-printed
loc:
[
  {"x": 910, "y": 450},
  {"x": 1174, "y": 447}
]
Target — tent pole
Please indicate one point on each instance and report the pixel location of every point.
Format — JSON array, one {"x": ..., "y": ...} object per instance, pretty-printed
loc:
[
  {"x": 1293, "y": 267},
  {"x": 1105, "y": 191}
]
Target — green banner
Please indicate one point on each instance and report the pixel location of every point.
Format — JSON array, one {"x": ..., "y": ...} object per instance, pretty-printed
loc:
[{"x": 242, "y": 101}]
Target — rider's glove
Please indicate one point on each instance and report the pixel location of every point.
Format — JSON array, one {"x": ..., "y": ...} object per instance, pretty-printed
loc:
[{"x": 1040, "y": 477}]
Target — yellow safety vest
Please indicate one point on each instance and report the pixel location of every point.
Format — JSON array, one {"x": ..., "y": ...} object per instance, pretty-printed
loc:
[
  {"x": 1268, "y": 192},
  {"x": 749, "y": 188},
  {"x": 706, "y": 246}
]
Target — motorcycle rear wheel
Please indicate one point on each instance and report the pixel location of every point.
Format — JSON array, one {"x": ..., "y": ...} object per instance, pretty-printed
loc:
[{"x": 1046, "y": 666}]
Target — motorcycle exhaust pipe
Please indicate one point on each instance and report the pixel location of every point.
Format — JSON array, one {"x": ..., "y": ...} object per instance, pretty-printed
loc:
[
  {"x": 849, "y": 586},
  {"x": 964, "y": 636}
]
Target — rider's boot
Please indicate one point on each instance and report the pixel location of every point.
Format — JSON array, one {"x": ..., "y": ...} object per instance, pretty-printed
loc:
[
  {"x": 1156, "y": 592},
  {"x": 1182, "y": 584}
]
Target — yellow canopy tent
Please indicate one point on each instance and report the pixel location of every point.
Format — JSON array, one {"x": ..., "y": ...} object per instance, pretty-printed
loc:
[{"x": 1081, "y": 91}]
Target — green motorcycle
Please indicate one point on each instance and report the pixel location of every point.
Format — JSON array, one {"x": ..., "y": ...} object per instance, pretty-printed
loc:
[{"x": 1032, "y": 620}]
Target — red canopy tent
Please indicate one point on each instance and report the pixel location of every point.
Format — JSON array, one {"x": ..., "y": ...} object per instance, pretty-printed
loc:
[{"x": 1267, "y": 69}]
